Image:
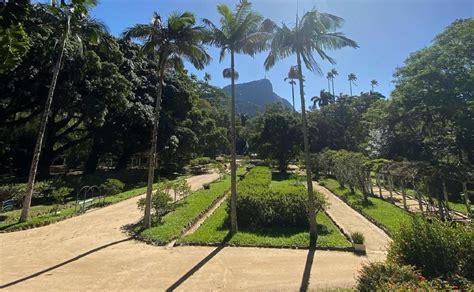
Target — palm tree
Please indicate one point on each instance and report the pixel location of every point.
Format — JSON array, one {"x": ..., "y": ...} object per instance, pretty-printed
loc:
[
  {"x": 334, "y": 74},
  {"x": 239, "y": 32},
  {"x": 314, "y": 33},
  {"x": 179, "y": 38},
  {"x": 292, "y": 75},
  {"x": 373, "y": 83},
  {"x": 352, "y": 78},
  {"x": 323, "y": 99},
  {"x": 207, "y": 77},
  {"x": 329, "y": 76},
  {"x": 70, "y": 17}
]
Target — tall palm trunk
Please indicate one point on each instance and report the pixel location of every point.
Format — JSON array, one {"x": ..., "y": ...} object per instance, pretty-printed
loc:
[
  {"x": 313, "y": 235},
  {"x": 44, "y": 121},
  {"x": 333, "y": 92},
  {"x": 329, "y": 86},
  {"x": 152, "y": 157},
  {"x": 293, "y": 94},
  {"x": 233, "y": 165},
  {"x": 350, "y": 86}
]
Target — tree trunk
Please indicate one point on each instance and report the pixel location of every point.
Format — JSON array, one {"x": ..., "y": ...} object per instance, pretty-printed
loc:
[
  {"x": 379, "y": 185},
  {"x": 44, "y": 121},
  {"x": 333, "y": 93},
  {"x": 93, "y": 157},
  {"x": 152, "y": 156},
  {"x": 329, "y": 86},
  {"x": 370, "y": 185},
  {"x": 350, "y": 85},
  {"x": 293, "y": 94},
  {"x": 313, "y": 235},
  {"x": 390, "y": 187},
  {"x": 445, "y": 193},
  {"x": 404, "y": 196},
  {"x": 233, "y": 163},
  {"x": 418, "y": 196},
  {"x": 466, "y": 198}
]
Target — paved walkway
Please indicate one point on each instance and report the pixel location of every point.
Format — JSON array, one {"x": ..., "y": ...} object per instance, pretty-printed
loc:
[
  {"x": 376, "y": 240},
  {"x": 90, "y": 252}
]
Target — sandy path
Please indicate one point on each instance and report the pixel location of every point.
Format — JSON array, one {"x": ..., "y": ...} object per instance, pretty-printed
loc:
[
  {"x": 90, "y": 252},
  {"x": 376, "y": 240}
]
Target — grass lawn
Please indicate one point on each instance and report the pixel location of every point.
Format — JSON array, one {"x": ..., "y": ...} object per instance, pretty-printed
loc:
[
  {"x": 41, "y": 215},
  {"x": 456, "y": 206},
  {"x": 386, "y": 214},
  {"x": 215, "y": 231},
  {"x": 185, "y": 213}
]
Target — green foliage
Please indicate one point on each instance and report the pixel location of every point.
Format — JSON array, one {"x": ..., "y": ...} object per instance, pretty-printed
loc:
[
  {"x": 13, "y": 46},
  {"x": 112, "y": 186},
  {"x": 59, "y": 195},
  {"x": 215, "y": 231},
  {"x": 275, "y": 134},
  {"x": 160, "y": 204},
  {"x": 436, "y": 248},
  {"x": 357, "y": 238},
  {"x": 380, "y": 276},
  {"x": 199, "y": 161},
  {"x": 184, "y": 214},
  {"x": 260, "y": 204}
]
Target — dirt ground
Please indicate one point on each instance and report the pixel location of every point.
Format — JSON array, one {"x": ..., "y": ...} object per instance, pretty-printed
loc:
[{"x": 91, "y": 252}]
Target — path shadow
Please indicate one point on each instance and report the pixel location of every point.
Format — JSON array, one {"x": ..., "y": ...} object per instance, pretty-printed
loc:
[
  {"x": 199, "y": 265},
  {"x": 307, "y": 270},
  {"x": 34, "y": 275}
]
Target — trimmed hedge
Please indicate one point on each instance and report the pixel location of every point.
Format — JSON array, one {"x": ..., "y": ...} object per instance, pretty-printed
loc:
[{"x": 261, "y": 205}]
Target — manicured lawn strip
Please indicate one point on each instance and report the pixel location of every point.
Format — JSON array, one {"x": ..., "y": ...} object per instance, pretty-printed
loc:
[
  {"x": 41, "y": 214},
  {"x": 383, "y": 213},
  {"x": 185, "y": 214},
  {"x": 215, "y": 230}
]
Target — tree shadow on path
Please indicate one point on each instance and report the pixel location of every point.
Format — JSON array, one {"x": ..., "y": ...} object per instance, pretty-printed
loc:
[
  {"x": 64, "y": 263},
  {"x": 307, "y": 270},
  {"x": 199, "y": 265}
]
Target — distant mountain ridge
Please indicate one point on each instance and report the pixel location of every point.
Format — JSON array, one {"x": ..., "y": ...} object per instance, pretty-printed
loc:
[{"x": 252, "y": 97}]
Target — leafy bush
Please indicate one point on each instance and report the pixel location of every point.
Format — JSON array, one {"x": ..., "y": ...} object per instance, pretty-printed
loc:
[
  {"x": 42, "y": 189},
  {"x": 436, "y": 248},
  {"x": 200, "y": 161},
  {"x": 112, "y": 186},
  {"x": 258, "y": 204},
  {"x": 389, "y": 276},
  {"x": 358, "y": 238},
  {"x": 160, "y": 203},
  {"x": 385, "y": 276},
  {"x": 59, "y": 195}
]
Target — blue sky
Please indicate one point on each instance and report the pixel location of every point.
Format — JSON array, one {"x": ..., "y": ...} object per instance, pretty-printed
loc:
[{"x": 387, "y": 31}]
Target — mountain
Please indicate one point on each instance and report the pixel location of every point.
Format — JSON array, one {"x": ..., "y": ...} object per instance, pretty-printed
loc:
[{"x": 252, "y": 97}]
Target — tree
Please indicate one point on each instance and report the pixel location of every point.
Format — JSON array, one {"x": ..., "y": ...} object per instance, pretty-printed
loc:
[
  {"x": 374, "y": 83},
  {"x": 334, "y": 73},
  {"x": 315, "y": 32},
  {"x": 178, "y": 38},
  {"x": 352, "y": 78},
  {"x": 241, "y": 32},
  {"x": 207, "y": 77},
  {"x": 292, "y": 75},
  {"x": 276, "y": 135},
  {"x": 62, "y": 13},
  {"x": 323, "y": 99},
  {"x": 329, "y": 77}
]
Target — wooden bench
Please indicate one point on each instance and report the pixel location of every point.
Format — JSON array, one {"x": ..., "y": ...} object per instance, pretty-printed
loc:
[{"x": 8, "y": 205}]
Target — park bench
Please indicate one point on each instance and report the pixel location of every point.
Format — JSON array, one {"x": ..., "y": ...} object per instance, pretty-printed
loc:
[
  {"x": 7, "y": 205},
  {"x": 84, "y": 204}
]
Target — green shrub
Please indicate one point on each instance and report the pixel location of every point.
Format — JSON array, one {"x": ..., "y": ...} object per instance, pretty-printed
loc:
[
  {"x": 59, "y": 195},
  {"x": 358, "y": 238},
  {"x": 386, "y": 276},
  {"x": 200, "y": 161},
  {"x": 262, "y": 205},
  {"x": 436, "y": 248},
  {"x": 160, "y": 204},
  {"x": 112, "y": 187}
]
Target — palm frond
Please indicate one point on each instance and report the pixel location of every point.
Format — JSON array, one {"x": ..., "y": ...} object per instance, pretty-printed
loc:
[{"x": 227, "y": 73}]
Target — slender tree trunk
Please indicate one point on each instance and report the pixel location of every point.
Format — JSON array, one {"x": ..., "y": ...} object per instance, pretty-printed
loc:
[
  {"x": 418, "y": 195},
  {"x": 445, "y": 193},
  {"x": 333, "y": 92},
  {"x": 293, "y": 94},
  {"x": 329, "y": 86},
  {"x": 233, "y": 163},
  {"x": 430, "y": 204},
  {"x": 466, "y": 198},
  {"x": 404, "y": 196},
  {"x": 390, "y": 188},
  {"x": 313, "y": 232},
  {"x": 370, "y": 184},
  {"x": 350, "y": 86},
  {"x": 44, "y": 121},
  {"x": 378, "y": 184},
  {"x": 153, "y": 155}
]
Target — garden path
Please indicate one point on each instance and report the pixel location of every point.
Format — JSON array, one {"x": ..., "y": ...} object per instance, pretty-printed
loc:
[
  {"x": 376, "y": 240},
  {"x": 91, "y": 252}
]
